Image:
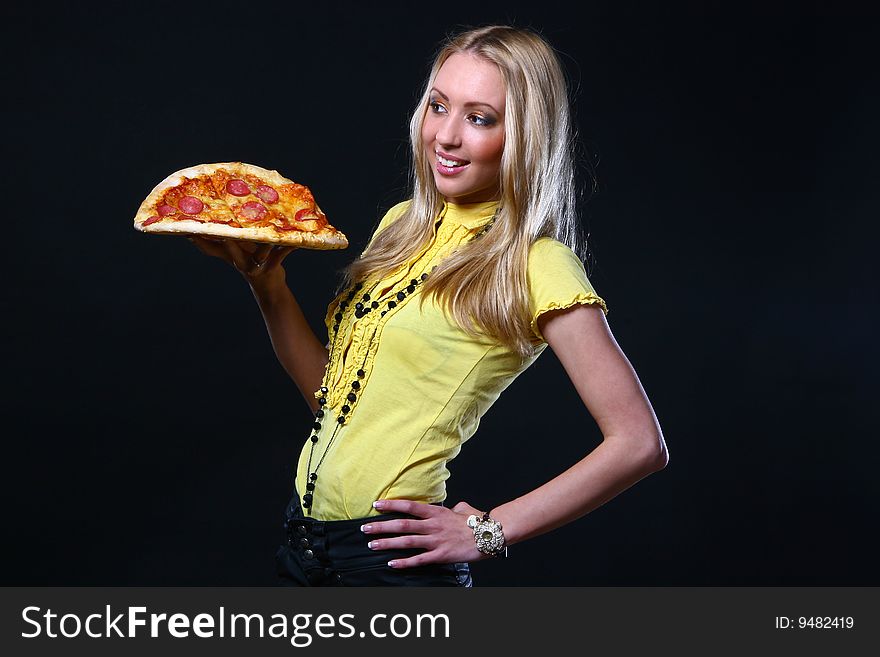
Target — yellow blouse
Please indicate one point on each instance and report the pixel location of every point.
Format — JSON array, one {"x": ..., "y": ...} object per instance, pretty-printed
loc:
[{"x": 427, "y": 383}]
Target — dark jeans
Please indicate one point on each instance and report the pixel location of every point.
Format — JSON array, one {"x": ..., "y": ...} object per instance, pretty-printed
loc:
[{"x": 335, "y": 553}]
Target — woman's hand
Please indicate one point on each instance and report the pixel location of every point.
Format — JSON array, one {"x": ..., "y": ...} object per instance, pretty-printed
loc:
[
  {"x": 255, "y": 261},
  {"x": 443, "y": 532}
]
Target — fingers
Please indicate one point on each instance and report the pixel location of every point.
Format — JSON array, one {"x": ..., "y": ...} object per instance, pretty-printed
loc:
[
  {"x": 209, "y": 247},
  {"x": 401, "y": 526},
  {"x": 250, "y": 258},
  {"x": 403, "y": 543},
  {"x": 424, "y": 559},
  {"x": 420, "y": 509},
  {"x": 238, "y": 256},
  {"x": 261, "y": 252},
  {"x": 277, "y": 254}
]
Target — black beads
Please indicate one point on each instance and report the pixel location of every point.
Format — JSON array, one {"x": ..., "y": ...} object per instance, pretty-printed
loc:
[
  {"x": 364, "y": 304},
  {"x": 383, "y": 313}
]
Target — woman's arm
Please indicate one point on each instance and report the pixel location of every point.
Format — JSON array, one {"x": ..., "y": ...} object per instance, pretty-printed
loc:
[
  {"x": 297, "y": 347},
  {"x": 633, "y": 447}
]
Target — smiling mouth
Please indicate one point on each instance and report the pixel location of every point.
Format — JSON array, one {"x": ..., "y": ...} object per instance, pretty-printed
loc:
[{"x": 451, "y": 163}]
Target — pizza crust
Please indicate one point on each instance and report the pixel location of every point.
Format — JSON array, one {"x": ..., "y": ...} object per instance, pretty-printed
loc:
[
  {"x": 319, "y": 239},
  {"x": 324, "y": 239}
]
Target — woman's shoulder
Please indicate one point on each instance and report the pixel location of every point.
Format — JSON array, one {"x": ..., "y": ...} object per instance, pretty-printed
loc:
[
  {"x": 394, "y": 213},
  {"x": 557, "y": 279},
  {"x": 548, "y": 251}
]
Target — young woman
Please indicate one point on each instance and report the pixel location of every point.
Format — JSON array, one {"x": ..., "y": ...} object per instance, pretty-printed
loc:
[{"x": 459, "y": 290}]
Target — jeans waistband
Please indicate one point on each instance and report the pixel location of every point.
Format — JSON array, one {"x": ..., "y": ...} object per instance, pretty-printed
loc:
[{"x": 319, "y": 552}]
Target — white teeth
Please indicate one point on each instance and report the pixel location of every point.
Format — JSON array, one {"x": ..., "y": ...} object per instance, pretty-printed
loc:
[{"x": 449, "y": 163}]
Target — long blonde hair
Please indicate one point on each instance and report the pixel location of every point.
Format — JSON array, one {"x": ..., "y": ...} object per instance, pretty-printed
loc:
[{"x": 483, "y": 284}]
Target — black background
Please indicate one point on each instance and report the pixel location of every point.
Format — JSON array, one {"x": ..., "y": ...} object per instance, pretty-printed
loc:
[{"x": 151, "y": 435}]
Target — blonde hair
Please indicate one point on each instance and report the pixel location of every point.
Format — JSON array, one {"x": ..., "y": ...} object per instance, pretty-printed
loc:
[{"x": 483, "y": 284}]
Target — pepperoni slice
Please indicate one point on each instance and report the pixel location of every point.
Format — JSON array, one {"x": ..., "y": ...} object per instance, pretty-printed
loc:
[
  {"x": 238, "y": 188},
  {"x": 253, "y": 211},
  {"x": 164, "y": 210},
  {"x": 305, "y": 214},
  {"x": 267, "y": 194},
  {"x": 190, "y": 205},
  {"x": 152, "y": 220}
]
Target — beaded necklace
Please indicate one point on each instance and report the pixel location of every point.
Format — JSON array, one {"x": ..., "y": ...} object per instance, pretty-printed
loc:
[{"x": 343, "y": 315}]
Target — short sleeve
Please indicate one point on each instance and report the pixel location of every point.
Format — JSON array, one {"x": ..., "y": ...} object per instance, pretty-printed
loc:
[{"x": 557, "y": 279}]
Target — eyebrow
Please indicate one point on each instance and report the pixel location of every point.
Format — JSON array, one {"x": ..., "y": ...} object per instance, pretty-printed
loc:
[{"x": 446, "y": 98}]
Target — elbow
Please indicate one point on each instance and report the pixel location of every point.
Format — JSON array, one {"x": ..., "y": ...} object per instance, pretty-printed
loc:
[
  {"x": 662, "y": 459},
  {"x": 653, "y": 455},
  {"x": 657, "y": 455},
  {"x": 647, "y": 454}
]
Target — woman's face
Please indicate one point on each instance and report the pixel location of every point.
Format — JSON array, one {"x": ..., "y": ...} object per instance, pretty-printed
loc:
[{"x": 463, "y": 131}]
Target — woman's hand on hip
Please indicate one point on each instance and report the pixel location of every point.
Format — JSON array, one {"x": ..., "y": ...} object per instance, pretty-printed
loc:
[{"x": 442, "y": 532}]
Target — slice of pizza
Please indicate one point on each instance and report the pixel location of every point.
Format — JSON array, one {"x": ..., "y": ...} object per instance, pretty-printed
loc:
[
  {"x": 190, "y": 202},
  {"x": 239, "y": 201}
]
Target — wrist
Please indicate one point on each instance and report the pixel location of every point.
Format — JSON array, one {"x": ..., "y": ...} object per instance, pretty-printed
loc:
[
  {"x": 488, "y": 534},
  {"x": 268, "y": 283},
  {"x": 502, "y": 515}
]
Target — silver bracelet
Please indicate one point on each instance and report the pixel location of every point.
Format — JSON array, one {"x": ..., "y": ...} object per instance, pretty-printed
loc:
[{"x": 488, "y": 535}]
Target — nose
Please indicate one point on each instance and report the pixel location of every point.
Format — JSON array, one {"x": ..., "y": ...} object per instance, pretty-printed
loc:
[{"x": 448, "y": 133}]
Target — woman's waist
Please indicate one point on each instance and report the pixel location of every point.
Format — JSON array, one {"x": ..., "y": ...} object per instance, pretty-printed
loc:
[{"x": 344, "y": 514}]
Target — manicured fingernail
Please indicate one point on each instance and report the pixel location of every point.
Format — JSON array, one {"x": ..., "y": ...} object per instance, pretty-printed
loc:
[
  {"x": 378, "y": 504},
  {"x": 392, "y": 563},
  {"x": 366, "y": 528},
  {"x": 370, "y": 545}
]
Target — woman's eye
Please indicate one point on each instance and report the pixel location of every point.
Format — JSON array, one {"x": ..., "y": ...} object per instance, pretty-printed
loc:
[
  {"x": 481, "y": 120},
  {"x": 434, "y": 105}
]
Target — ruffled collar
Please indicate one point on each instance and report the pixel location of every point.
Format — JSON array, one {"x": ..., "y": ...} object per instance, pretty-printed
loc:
[{"x": 470, "y": 215}]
